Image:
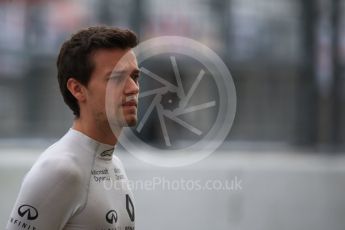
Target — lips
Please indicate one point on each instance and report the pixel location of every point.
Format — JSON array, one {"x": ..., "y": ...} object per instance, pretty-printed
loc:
[
  {"x": 130, "y": 103},
  {"x": 131, "y": 100}
]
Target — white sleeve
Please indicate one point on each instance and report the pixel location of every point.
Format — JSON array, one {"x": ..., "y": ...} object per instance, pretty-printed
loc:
[{"x": 50, "y": 194}]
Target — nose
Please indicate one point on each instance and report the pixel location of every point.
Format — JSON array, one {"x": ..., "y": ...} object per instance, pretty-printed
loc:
[{"x": 132, "y": 87}]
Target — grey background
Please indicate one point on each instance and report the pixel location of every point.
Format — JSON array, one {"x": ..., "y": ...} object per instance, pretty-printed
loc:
[{"x": 287, "y": 58}]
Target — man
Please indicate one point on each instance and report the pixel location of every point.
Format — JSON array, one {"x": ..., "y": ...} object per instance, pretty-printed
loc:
[{"x": 65, "y": 188}]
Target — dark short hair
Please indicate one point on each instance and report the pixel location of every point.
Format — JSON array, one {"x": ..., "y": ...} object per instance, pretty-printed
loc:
[{"x": 75, "y": 60}]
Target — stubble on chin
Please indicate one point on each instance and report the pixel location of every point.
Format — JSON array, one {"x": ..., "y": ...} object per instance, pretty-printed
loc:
[{"x": 131, "y": 123}]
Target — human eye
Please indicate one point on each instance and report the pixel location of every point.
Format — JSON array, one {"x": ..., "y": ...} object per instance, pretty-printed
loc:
[
  {"x": 117, "y": 76},
  {"x": 135, "y": 76}
]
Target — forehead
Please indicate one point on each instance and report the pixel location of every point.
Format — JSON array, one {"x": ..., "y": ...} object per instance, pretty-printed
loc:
[
  {"x": 127, "y": 62},
  {"x": 106, "y": 60}
]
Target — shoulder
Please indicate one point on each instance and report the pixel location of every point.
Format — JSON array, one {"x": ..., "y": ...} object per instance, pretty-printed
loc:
[
  {"x": 56, "y": 168},
  {"x": 61, "y": 159},
  {"x": 54, "y": 180},
  {"x": 63, "y": 166}
]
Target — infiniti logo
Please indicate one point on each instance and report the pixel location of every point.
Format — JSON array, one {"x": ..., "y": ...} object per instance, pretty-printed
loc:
[
  {"x": 111, "y": 216},
  {"x": 28, "y": 211}
]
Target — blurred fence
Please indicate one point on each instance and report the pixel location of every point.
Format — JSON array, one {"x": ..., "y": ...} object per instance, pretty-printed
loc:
[{"x": 287, "y": 59}]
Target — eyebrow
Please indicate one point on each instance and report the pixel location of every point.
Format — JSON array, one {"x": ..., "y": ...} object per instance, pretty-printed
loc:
[{"x": 120, "y": 72}]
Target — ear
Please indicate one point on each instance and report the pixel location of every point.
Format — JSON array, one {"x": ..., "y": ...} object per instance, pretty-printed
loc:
[{"x": 76, "y": 89}]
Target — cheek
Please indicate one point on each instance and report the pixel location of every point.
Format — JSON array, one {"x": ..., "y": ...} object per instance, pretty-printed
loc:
[
  {"x": 99, "y": 100},
  {"x": 113, "y": 96}
]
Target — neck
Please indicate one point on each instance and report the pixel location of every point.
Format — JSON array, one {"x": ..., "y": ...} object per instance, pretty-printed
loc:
[{"x": 100, "y": 133}]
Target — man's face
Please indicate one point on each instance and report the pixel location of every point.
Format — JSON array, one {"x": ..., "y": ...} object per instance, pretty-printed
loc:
[{"x": 113, "y": 88}]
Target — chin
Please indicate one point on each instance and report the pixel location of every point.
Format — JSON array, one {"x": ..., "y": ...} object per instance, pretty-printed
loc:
[{"x": 131, "y": 122}]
